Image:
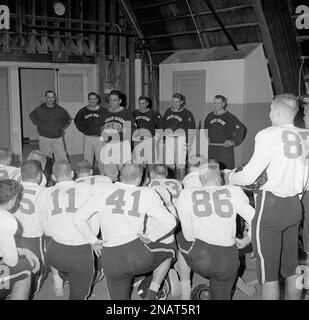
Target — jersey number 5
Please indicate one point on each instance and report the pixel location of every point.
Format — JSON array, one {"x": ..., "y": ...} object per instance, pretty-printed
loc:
[
  {"x": 202, "y": 205},
  {"x": 26, "y": 205}
]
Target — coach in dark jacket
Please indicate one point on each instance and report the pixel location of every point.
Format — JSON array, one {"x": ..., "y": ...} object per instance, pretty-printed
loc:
[
  {"x": 51, "y": 120},
  {"x": 225, "y": 132}
]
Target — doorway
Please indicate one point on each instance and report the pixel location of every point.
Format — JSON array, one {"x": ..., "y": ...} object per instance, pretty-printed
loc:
[
  {"x": 192, "y": 84},
  {"x": 33, "y": 85}
]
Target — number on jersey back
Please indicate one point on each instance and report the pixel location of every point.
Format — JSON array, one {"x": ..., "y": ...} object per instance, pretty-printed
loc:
[{"x": 173, "y": 186}]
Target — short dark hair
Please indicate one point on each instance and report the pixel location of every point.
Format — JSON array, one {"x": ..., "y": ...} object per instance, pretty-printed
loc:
[
  {"x": 50, "y": 91},
  {"x": 30, "y": 169},
  {"x": 178, "y": 95},
  {"x": 222, "y": 98},
  {"x": 93, "y": 94},
  {"x": 9, "y": 189},
  {"x": 143, "y": 98},
  {"x": 115, "y": 93}
]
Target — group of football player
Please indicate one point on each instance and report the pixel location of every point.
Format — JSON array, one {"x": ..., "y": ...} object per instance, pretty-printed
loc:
[{"x": 144, "y": 226}]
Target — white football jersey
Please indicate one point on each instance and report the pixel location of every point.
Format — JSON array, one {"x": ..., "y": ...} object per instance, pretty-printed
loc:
[
  {"x": 57, "y": 207},
  {"x": 8, "y": 228},
  {"x": 284, "y": 153},
  {"x": 16, "y": 175},
  {"x": 172, "y": 185},
  {"x": 192, "y": 180},
  {"x": 28, "y": 212},
  {"x": 209, "y": 213},
  {"x": 151, "y": 223},
  {"x": 6, "y": 171},
  {"x": 94, "y": 179},
  {"x": 122, "y": 208}
]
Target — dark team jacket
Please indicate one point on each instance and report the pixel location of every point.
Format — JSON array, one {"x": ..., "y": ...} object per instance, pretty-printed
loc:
[
  {"x": 224, "y": 127},
  {"x": 118, "y": 118},
  {"x": 182, "y": 119},
  {"x": 89, "y": 122},
  {"x": 50, "y": 122},
  {"x": 150, "y": 120}
]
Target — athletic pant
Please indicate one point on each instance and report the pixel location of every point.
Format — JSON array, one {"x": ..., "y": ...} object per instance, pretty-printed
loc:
[
  {"x": 36, "y": 246},
  {"x": 122, "y": 263},
  {"x": 76, "y": 264},
  {"x": 52, "y": 146},
  {"x": 10, "y": 275},
  {"x": 275, "y": 235},
  {"x": 92, "y": 148},
  {"x": 218, "y": 263}
]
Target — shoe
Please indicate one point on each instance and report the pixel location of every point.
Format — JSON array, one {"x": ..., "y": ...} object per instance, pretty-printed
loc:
[
  {"x": 247, "y": 289},
  {"x": 201, "y": 292}
]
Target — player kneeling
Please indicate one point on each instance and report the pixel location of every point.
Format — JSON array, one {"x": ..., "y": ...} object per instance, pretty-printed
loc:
[
  {"x": 208, "y": 220},
  {"x": 157, "y": 285},
  {"x": 27, "y": 214},
  {"x": 122, "y": 208},
  {"x": 16, "y": 264},
  {"x": 68, "y": 251},
  {"x": 84, "y": 174}
]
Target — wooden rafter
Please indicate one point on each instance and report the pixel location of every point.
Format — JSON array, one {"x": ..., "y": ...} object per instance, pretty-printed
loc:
[{"x": 199, "y": 14}]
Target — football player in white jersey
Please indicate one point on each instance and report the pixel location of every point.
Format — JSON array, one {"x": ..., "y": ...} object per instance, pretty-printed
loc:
[
  {"x": 68, "y": 251},
  {"x": 192, "y": 179},
  {"x": 158, "y": 177},
  {"x": 127, "y": 251},
  {"x": 16, "y": 264},
  {"x": 6, "y": 169},
  {"x": 150, "y": 285},
  {"x": 282, "y": 150},
  {"x": 208, "y": 239},
  {"x": 33, "y": 155},
  {"x": 84, "y": 174},
  {"x": 31, "y": 235}
]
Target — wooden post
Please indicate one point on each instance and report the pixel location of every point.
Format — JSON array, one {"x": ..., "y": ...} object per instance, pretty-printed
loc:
[
  {"x": 131, "y": 74},
  {"x": 101, "y": 59}
]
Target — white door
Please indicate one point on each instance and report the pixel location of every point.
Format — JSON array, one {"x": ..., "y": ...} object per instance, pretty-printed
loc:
[{"x": 73, "y": 95}]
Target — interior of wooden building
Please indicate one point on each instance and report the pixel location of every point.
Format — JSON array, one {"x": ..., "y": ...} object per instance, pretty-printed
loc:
[{"x": 247, "y": 50}]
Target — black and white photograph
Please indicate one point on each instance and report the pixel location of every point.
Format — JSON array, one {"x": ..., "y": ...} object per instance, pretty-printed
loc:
[{"x": 154, "y": 150}]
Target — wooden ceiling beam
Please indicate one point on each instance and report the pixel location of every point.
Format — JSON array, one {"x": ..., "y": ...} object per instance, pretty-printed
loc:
[
  {"x": 184, "y": 33},
  {"x": 280, "y": 43},
  {"x": 200, "y": 14},
  {"x": 157, "y": 4},
  {"x": 224, "y": 29}
]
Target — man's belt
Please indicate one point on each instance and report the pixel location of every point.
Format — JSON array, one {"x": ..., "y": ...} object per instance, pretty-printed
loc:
[{"x": 216, "y": 144}]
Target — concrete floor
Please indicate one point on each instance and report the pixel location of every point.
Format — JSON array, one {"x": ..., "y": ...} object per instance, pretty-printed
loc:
[{"x": 100, "y": 291}]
